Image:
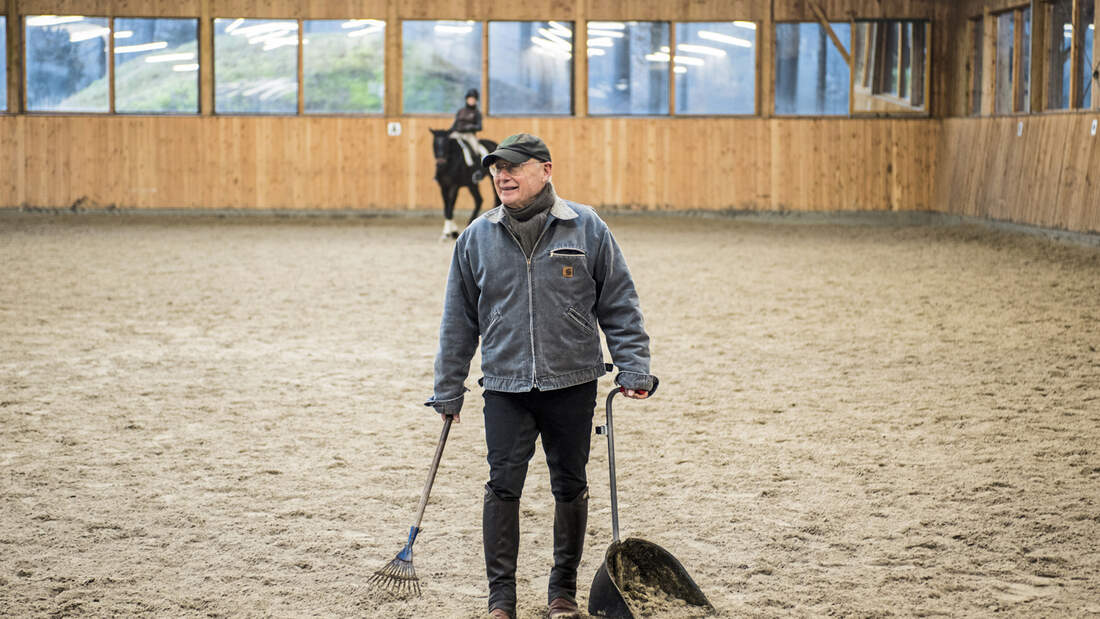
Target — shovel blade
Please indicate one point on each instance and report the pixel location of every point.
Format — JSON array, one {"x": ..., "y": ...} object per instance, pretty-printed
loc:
[{"x": 636, "y": 572}]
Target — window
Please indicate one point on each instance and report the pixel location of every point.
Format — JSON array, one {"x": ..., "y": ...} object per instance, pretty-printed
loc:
[
  {"x": 1012, "y": 62},
  {"x": 3, "y": 63},
  {"x": 67, "y": 64},
  {"x": 255, "y": 66},
  {"x": 1002, "y": 101},
  {"x": 628, "y": 67},
  {"x": 977, "y": 47},
  {"x": 531, "y": 67},
  {"x": 441, "y": 60},
  {"x": 343, "y": 65},
  {"x": 1023, "y": 92},
  {"x": 890, "y": 65},
  {"x": 1087, "y": 19},
  {"x": 156, "y": 66},
  {"x": 811, "y": 74},
  {"x": 1060, "y": 62},
  {"x": 715, "y": 68}
]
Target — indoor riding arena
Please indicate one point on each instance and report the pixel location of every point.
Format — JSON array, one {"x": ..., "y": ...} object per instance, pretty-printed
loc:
[{"x": 865, "y": 236}]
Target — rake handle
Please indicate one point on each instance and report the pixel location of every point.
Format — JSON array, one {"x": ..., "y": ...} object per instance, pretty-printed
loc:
[{"x": 431, "y": 474}]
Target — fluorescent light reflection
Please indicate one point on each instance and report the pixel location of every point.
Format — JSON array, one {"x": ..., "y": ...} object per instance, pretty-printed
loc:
[
  {"x": 124, "y": 34},
  {"x": 561, "y": 30},
  {"x": 606, "y": 25},
  {"x": 700, "y": 49},
  {"x": 748, "y": 25},
  {"x": 362, "y": 32},
  {"x": 455, "y": 28},
  {"x": 87, "y": 34},
  {"x": 724, "y": 38},
  {"x": 596, "y": 32},
  {"x": 144, "y": 47},
  {"x": 53, "y": 20},
  {"x": 689, "y": 60},
  {"x": 170, "y": 57},
  {"x": 185, "y": 68},
  {"x": 361, "y": 23}
]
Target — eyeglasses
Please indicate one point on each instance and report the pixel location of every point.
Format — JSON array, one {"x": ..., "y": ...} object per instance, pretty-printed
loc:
[{"x": 512, "y": 169}]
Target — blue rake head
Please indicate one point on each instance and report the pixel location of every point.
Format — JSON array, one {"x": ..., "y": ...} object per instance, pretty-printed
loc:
[{"x": 399, "y": 575}]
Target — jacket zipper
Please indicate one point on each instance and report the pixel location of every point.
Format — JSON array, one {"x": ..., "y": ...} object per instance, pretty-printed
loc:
[{"x": 530, "y": 295}]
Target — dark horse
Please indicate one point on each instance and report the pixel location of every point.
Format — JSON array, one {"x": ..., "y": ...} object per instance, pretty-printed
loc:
[{"x": 452, "y": 173}]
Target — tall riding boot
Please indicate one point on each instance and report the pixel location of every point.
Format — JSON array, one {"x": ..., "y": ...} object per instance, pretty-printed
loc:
[
  {"x": 570, "y": 524},
  {"x": 500, "y": 535}
]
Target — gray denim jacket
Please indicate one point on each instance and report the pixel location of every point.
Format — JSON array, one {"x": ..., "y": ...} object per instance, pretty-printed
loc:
[{"x": 537, "y": 319}]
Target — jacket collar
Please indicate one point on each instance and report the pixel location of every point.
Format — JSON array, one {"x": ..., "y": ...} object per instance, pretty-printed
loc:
[{"x": 560, "y": 210}]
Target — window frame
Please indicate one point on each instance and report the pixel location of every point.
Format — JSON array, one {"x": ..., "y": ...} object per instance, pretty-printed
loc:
[
  {"x": 25, "y": 91},
  {"x": 756, "y": 64},
  {"x": 198, "y": 73},
  {"x": 872, "y": 78},
  {"x": 669, "y": 111},
  {"x": 482, "y": 78},
  {"x": 487, "y": 75},
  {"x": 825, "y": 32},
  {"x": 302, "y": 72}
]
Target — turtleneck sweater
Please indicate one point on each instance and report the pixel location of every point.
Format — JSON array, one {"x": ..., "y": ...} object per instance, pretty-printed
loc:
[{"x": 527, "y": 222}]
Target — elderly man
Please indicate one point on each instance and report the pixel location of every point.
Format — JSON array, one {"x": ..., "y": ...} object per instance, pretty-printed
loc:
[{"x": 535, "y": 280}]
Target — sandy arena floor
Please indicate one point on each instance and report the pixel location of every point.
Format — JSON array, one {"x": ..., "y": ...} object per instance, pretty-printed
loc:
[{"x": 222, "y": 417}]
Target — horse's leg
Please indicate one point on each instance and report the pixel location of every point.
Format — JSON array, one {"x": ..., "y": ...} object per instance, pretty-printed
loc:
[
  {"x": 476, "y": 193},
  {"x": 450, "y": 193}
]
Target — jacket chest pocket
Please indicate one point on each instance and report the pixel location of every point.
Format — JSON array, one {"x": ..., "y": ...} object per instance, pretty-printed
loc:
[{"x": 570, "y": 261}]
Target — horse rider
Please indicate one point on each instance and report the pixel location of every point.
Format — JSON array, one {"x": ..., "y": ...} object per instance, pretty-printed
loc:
[
  {"x": 538, "y": 315},
  {"x": 467, "y": 123}
]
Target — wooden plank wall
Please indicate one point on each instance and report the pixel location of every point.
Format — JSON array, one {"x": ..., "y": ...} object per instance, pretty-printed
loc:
[
  {"x": 351, "y": 163},
  {"x": 1048, "y": 176},
  {"x": 348, "y": 163}
]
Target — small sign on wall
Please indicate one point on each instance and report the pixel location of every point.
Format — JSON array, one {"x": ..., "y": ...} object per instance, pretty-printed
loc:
[
  {"x": 1092, "y": 132},
  {"x": 1020, "y": 128},
  {"x": 393, "y": 128}
]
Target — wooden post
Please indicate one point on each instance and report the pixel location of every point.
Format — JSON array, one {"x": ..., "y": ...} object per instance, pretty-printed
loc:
[
  {"x": 829, "y": 30},
  {"x": 485, "y": 67},
  {"x": 1040, "y": 38},
  {"x": 1075, "y": 56},
  {"x": 1017, "y": 61},
  {"x": 765, "y": 64},
  {"x": 301, "y": 68},
  {"x": 852, "y": 68},
  {"x": 672, "y": 69},
  {"x": 393, "y": 76},
  {"x": 206, "y": 59},
  {"x": 580, "y": 60},
  {"x": 110, "y": 65},
  {"x": 1096, "y": 55},
  {"x": 15, "y": 58},
  {"x": 989, "y": 59}
]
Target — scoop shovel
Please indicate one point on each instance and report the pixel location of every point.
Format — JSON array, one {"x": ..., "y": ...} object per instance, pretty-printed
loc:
[{"x": 637, "y": 578}]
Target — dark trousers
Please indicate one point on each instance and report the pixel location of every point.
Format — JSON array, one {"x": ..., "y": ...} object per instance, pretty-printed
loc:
[
  {"x": 563, "y": 417},
  {"x": 513, "y": 421}
]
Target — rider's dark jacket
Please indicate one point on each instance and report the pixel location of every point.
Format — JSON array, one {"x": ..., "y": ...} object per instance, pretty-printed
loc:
[{"x": 467, "y": 120}]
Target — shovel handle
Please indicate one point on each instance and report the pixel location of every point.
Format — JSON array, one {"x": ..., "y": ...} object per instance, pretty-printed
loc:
[{"x": 610, "y": 430}]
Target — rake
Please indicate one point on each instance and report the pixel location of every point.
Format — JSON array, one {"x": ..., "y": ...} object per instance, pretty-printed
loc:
[{"x": 399, "y": 575}]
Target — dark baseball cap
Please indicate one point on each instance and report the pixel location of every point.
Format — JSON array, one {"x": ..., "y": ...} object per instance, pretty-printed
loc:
[{"x": 517, "y": 149}]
